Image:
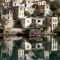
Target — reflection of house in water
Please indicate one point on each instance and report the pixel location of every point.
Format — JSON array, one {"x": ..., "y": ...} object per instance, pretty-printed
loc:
[
  {"x": 54, "y": 44},
  {"x": 16, "y": 49},
  {"x": 20, "y": 54},
  {"x": 32, "y": 50}
]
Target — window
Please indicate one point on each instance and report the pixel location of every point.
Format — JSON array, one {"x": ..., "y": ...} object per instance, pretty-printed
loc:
[
  {"x": 53, "y": 20},
  {"x": 8, "y": 17},
  {"x": 6, "y": 4},
  {"x": 27, "y": 21},
  {"x": 22, "y": 52},
  {"x": 1, "y": 30},
  {"x": 53, "y": 25},
  {"x": 33, "y": 20},
  {"x": 28, "y": 46},
  {"x": 22, "y": 14},
  {"x": 20, "y": 58},
  {"x": 20, "y": 8},
  {"x": 28, "y": 1},
  {"x": 53, "y": 47},
  {"x": 47, "y": 6},
  {"x": 44, "y": 3},
  {"x": 47, "y": 57},
  {"x": 14, "y": 3},
  {"x": 39, "y": 21},
  {"x": 41, "y": 3}
]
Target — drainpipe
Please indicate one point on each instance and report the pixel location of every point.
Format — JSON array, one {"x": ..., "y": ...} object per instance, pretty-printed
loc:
[{"x": 24, "y": 51}]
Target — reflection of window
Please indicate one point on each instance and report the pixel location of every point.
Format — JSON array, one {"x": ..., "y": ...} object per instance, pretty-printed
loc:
[
  {"x": 19, "y": 52},
  {"x": 38, "y": 20},
  {"x": 8, "y": 17},
  {"x": 20, "y": 58},
  {"x": 53, "y": 41},
  {"x": 55, "y": 46},
  {"x": 5, "y": 4},
  {"x": 28, "y": 46},
  {"x": 3, "y": 16},
  {"x": 22, "y": 52},
  {"x": 38, "y": 46},
  {"x": 46, "y": 57}
]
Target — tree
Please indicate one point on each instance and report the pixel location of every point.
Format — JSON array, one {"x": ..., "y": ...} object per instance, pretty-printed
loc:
[
  {"x": 35, "y": 13},
  {"x": 3, "y": 21},
  {"x": 39, "y": 11},
  {"x": 26, "y": 13},
  {"x": 46, "y": 24},
  {"x": 5, "y": 11},
  {"x": 44, "y": 39},
  {"x": 57, "y": 38},
  {"x": 24, "y": 1},
  {"x": 57, "y": 29},
  {"x": 35, "y": 6},
  {"x": 1, "y": 1},
  {"x": 54, "y": 5},
  {"x": 45, "y": 42},
  {"x": 48, "y": 1},
  {"x": 2, "y": 47},
  {"x": 18, "y": 24},
  {"x": 55, "y": 55},
  {"x": 32, "y": 25}
]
